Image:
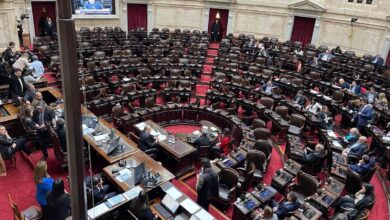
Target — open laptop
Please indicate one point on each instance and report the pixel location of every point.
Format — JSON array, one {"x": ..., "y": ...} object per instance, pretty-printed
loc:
[{"x": 168, "y": 207}]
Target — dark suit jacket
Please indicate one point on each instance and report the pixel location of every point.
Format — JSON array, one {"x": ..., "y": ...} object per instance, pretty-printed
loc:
[
  {"x": 5, "y": 147},
  {"x": 47, "y": 115},
  {"x": 202, "y": 141},
  {"x": 285, "y": 208},
  {"x": 345, "y": 85},
  {"x": 379, "y": 62},
  {"x": 8, "y": 55},
  {"x": 365, "y": 116},
  {"x": 311, "y": 157},
  {"x": 60, "y": 130},
  {"x": 357, "y": 150},
  {"x": 300, "y": 100},
  {"x": 361, "y": 169},
  {"x": 358, "y": 90},
  {"x": 98, "y": 195},
  {"x": 29, "y": 95},
  {"x": 146, "y": 141},
  {"x": 15, "y": 88}
]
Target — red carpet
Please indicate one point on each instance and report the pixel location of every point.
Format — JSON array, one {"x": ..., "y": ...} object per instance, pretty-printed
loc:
[
  {"x": 210, "y": 60},
  {"x": 207, "y": 68},
  {"x": 181, "y": 129},
  {"x": 201, "y": 89},
  {"x": 205, "y": 78},
  {"x": 213, "y": 53},
  {"x": 50, "y": 77},
  {"x": 214, "y": 45}
]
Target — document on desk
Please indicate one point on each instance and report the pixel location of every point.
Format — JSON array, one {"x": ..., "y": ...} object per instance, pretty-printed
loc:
[
  {"x": 132, "y": 193},
  {"x": 124, "y": 175},
  {"x": 113, "y": 201},
  {"x": 337, "y": 144},
  {"x": 386, "y": 139},
  {"x": 204, "y": 215},
  {"x": 154, "y": 133},
  {"x": 97, "y": 211},
  {"x": 190, "y": 206},
  {"x": 162, "y": 137},
  {"x": 100, "y": 137},
  {"x": 141, "y": 126},
  {"x": 174, "y": 193}
]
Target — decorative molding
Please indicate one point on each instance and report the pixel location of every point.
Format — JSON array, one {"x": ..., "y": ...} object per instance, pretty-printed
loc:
[{"x": 307, "y": 5}]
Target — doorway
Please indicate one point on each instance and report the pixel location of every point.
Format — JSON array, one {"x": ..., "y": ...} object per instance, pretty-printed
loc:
[
  {"x": 223, "y": 18},
  {"x": 137, "y": 16},
  {"x": 38, "y": 9},
  {"x": 303, "y": 30}
]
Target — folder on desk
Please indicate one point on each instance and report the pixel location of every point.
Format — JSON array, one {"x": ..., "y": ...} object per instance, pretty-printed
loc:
[
  {"x": 174, "y": 193},
  {"x": 190, "y": 206},
  {"x": 132, "y": 193},
  {"x": 113, "y": 201},
  {"x": 204, "y": 215},
  {"x": 97, "y": 211}
]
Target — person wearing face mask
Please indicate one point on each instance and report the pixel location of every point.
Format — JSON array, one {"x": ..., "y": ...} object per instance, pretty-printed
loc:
[{"x": 206, "y": 184}]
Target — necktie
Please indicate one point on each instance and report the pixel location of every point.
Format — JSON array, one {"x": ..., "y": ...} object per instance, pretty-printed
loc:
[{"x": 41, "y": 118}]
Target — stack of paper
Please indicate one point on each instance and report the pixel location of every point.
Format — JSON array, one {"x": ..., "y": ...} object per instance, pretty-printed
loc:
[
  {"x": 190, "y": 206},
  {"x": 202, "y": 214},
  {"x": 132, "y": 193},
  {"x": 124, "y": 175},
  {"x": 97, "y": 211}
]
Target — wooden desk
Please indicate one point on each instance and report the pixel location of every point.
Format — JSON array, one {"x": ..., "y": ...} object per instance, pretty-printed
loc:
[
  {"x": 333, "y": 186},
  {"x": 339, "y": 171},
  {"x": 292, "y": 167},
  {"x": 178, "y": 156},
  {"x": 243, "y": 211},
  {"x": 323, "y": 199},
  {"x": 138, "y": 158},
  {"x": 228, "y": 162},
  {"x": 261, "y": 196},
  {"x": 308, "y": 212},
  {"x": 129, "y": 146},
  {"x": 281, "y": 180}
]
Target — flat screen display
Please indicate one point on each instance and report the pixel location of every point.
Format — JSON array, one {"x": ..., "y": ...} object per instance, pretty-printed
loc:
[{"x": 93, "y": 7}]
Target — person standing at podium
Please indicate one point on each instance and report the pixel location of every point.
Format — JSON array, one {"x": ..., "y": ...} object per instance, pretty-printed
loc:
[{"x": 206, "y": 184}]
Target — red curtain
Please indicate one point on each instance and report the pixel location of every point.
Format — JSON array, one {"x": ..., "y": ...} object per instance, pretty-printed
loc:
[
  {"x": 137, "y": 16},
  {"x": 388, "y": 59},
  {"x": 224, "y": 15},
  {"x": 302, "y": 30},
  {"x": 37, "y": 8}
]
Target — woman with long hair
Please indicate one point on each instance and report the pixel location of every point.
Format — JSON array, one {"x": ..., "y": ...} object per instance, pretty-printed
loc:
[
  {"x": 43, "y": 183},
  {"x": 58, "y": 202}
]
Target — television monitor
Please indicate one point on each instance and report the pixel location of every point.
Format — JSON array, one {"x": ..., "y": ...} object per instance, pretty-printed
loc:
[
  {"x": 93, "y": 7},
  {"x": 139, "y": 173},
  {"x": 249, "y": 205},
  {"x": 171, "y": 204}
]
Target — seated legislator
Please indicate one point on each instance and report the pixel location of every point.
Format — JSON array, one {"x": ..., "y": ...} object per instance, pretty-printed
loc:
[
  {"x": 357, "y": 149},
  {"x": 355, "y": 88},
  {"x": 9, "y": 146},
  {"x": 284, "y": 208},
  {"x": 325, "y": 117},
  {"x": 326, "y": 56},
  {"x": 314, "y": 62},
  {"x": 61, "y": 132},
  {"x": 311, "y": 156},
  {"x": 37, "y": 68},
  {"x": 8, "y": 54},
  {"x": 299, "y": 99},
  {"x": 266, "y": 214},
  {"x": 37, "y": 99},
  {"x": 101, "y": 191},
  {"x": 350, "y": 138},
  {"x": 223, "y": 146},
  {"x": 203, "y": 140},
  {"x": 343, "y": 84},
  {"x": 58, "y": 202},
  {"x": 371, "y": 96},
  {"x": 146, "y": 140},
  {"x": 382, "y": 100},
  {"x": 92, "y": 4},
  {"x": 267, "y": 88},
  {"x": 140, "y": 207},
  {"x": 28, "y": 78},
  {"x": 30, "y": 92},
  {"x": 22, "y": 62},
  {"x": 356, "y": 203},
  {"x": 364, "y": 165},
  {"x": 314, "y": 106}
]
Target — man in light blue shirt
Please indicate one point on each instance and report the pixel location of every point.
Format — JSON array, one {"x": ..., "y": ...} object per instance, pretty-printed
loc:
[
  {"x": 37, "y": 68},
  {"x": 92, "y": 4}
]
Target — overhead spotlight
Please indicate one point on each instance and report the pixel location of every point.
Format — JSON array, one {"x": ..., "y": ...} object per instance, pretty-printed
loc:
[{"x": 353, "y": 20}]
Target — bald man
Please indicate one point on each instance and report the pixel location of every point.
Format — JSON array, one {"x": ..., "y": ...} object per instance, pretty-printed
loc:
[{"x": 357, "y": 149}]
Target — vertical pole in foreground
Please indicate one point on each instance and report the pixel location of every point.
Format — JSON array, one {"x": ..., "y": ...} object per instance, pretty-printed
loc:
[{"x": 71, "y": 90}]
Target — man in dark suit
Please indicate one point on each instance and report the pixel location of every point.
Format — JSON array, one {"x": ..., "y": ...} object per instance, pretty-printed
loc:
[
  {"x": 377, "y": 61},
  {"x": 30, "y": 92},
  {"x": 17, "y": 87},
  {"x": 40, "y": 116},
  {"x": 203, "y": 140},
  {"x": 9, "y": 146},
  {"x": 311, "y": 156},
  {"x": 101, "y": 191},
  {"x": 364, "y": 115},
  {"x": 364, "y": 165},
  {"x": 355, "y": 88},
  {"x": 8, "y": 54},
  {"x": 146, "y": 140},
  {"x": 300, "y": 99},
  {"x": 343, "y": 84},
  {"x": 216, "y": 31},
  {"x": 206, "y": 184},
  {"x": 267, "y": 88},
  {"x": 286, "y": 207},
  {"x": 357, "y": 149},
  {"x": 60, "y": 130}
]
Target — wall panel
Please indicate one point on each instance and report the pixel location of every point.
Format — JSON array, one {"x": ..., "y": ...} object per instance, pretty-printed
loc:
[{"x": 178, "y": 17}]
